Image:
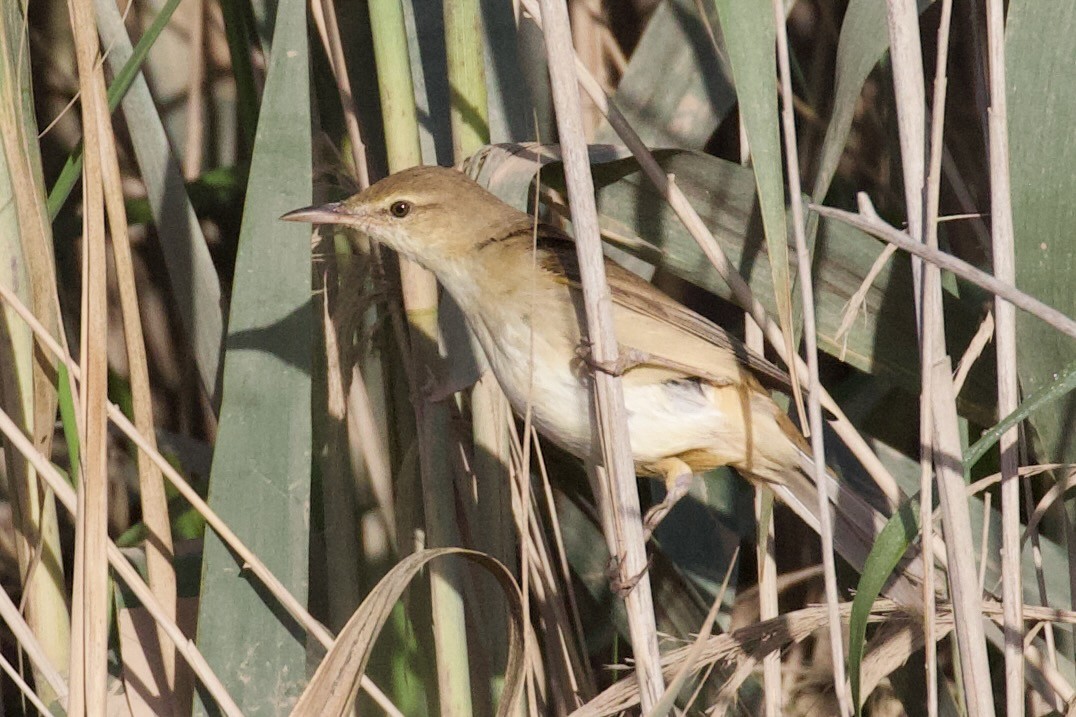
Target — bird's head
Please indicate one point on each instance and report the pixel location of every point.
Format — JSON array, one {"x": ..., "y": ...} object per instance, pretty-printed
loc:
[{"x": 431, "y": 215}]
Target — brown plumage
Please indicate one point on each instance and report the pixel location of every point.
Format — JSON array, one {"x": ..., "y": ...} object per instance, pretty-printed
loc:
[{"x": 695, "y": 394}]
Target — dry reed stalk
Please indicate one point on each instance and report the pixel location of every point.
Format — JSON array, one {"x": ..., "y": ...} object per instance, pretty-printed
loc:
[
  {"x": 127, "y": 574},
  {"x": 1004, "y": 261},
  {"x": 91, "y": 594},
  {"x": 963, "y": 586},
  {"x": 930, "y": 337},
  {"x": 810, "y": 335},
  {"x": 867, "y": 220},
  {"x": 615, "y": 468},
  {"x": 250, "y": 560},
  {"x": 194, "y": 140},
  {"x": 158, "y": 544}
]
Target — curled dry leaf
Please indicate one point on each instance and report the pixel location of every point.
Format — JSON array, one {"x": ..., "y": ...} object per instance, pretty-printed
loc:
[{"x": 333, "y": 688}]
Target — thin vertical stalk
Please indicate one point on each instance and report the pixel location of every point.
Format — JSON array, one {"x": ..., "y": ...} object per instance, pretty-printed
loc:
[
  {"x": 620, "y": 502},
  {"x": 194, "y": 140},
  {"x": 33, "y": 398},
  {"x": 767, "y": 589},
  {"x": 907, "y": 59},
  {"x": 959, "y": 546},
  {"x": 766, "y": 541},
  {"x": 420, "y": 302},
  {"x": 1005, "y": 336},
  {"x": 90, "y": 611},
  {"x": 931, "y": 350},
  {"x": 324, "y": 16},
  {"x": 810, "y": 336},
  {"x": 154, "y": 501},
  {"x": 490, "y": 412}
]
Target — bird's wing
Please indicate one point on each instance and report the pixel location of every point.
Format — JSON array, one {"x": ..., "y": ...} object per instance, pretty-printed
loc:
[{"x": 653, "y": 323}]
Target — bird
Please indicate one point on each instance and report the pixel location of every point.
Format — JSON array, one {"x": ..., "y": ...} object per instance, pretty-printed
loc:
[{"x": 696, "y": 397}]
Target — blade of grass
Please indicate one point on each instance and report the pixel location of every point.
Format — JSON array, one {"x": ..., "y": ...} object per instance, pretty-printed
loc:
[
  {"x": 863, "y": 41},
  {"x": 332, "y": 690},
  {"x": 889, "y": 547},
  {"x": 158, "y": 546},
  {"x": 1059, "y": 388},
  {"x": 91, "y": 592}
]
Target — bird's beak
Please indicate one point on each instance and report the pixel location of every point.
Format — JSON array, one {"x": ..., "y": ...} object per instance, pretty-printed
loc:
[{"x": 331, "y": 213}]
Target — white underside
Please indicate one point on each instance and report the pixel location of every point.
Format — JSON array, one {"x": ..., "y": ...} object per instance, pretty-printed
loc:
[{"x": 663, "y": 419}]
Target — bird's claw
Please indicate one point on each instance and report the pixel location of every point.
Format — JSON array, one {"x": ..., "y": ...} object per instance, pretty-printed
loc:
[
  {"x": 625, "y": 361},
  {"x": 623, "y": 586}
]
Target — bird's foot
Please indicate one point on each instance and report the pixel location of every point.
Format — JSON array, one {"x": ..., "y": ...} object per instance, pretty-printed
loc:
[
  {"x": 627, "y": 359},
  {"x": 631, "y": 358},
  {"x": 678, "y": 478},
  {"x": 624, "y": 585}
]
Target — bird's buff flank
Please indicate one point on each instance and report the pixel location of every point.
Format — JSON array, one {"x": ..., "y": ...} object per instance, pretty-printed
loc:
[{"x": 695, "y": 395}]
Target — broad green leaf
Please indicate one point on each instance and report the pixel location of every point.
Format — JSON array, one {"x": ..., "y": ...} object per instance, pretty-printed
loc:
[
  {"x": 677, "y": 87},
  {"x": 1040, "y": 54},
  {"x": 260, "y": 481}
]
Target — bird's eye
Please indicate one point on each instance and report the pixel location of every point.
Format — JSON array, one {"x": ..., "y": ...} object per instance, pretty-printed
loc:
[{"x": 400, "y": 209}]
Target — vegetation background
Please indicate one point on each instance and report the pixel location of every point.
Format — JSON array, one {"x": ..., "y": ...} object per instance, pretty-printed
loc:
[{"x": 250, "y": 429}]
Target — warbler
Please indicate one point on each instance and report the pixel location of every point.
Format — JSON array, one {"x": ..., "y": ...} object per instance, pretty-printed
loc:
[{"x": 696, "y": 397}]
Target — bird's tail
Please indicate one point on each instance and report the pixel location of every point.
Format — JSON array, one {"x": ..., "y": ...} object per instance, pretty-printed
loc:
[{"x": 856, "y": 523}]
